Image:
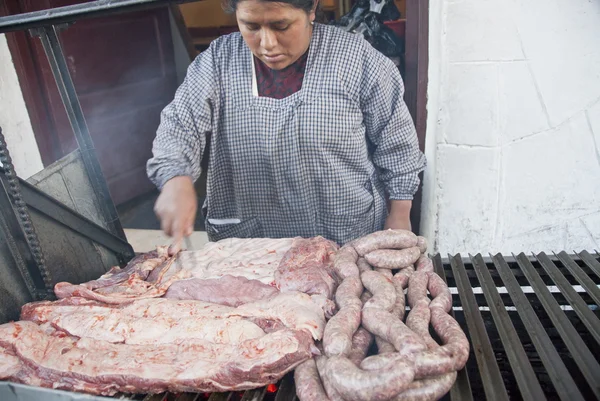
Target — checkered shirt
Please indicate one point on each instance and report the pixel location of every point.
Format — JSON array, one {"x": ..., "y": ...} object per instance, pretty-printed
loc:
[{"x": 319, "y": 162}]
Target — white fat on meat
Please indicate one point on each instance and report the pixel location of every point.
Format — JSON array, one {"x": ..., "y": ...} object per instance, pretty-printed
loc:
[
  {"x": 114, "y": 326},
  {"x": 252, "y": 258},
  {"x": 160, "y": 320},
  {"x": 10, "y": 365}
]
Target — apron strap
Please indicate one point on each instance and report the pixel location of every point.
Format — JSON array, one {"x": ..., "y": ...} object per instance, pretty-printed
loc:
[{"x": 254, "y": 84}]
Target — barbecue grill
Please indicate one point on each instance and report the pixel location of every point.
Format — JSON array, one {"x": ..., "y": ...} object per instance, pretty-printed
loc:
[{"x": 532, "y": 321}]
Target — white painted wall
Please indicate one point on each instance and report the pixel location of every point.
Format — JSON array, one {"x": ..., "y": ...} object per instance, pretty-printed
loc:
[
  {"x": 14, "y": 118},
  {"x": 513, "y": 137}
]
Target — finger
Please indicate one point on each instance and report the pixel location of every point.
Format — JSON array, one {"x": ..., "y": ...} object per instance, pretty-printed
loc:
[
  {"x": 175, "y": 247},
  {"x": 177, "y": 238}
]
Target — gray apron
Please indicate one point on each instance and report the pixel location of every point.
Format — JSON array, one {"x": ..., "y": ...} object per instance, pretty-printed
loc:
[{"x": 298, "y": 166}]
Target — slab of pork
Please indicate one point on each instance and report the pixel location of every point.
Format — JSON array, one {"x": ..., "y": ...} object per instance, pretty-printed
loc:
[{"x": 95, "y": 366}]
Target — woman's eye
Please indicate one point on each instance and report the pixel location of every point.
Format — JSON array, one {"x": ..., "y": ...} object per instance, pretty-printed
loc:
[
  {"x": 281, "y": 28},
  {"x": 252, "y": 27}
]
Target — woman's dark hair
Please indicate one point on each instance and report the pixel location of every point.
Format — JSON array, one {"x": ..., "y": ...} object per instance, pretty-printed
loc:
[{"x": 306, "y": 5}]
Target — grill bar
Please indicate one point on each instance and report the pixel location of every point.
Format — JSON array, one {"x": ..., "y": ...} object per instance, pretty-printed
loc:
[
  {"x": 287, "y": 389},
  {"x": 590, "y": 262},
  {"x": 578, "y": 304},
  {"x": 522, "y": 369},
  {"x": 255, "y": 395},
  {"x": 490, "y": 373},
  {"x": 461, "y": 391},
  {"x": 586, "y": 282},
  {"x": 559, "y": 375},
  {"x": 155, "y": 397},
  {"x": 581, "y": 354},
  {"x": 187, "y": 397},
  {"x": 220, "y": 397}
]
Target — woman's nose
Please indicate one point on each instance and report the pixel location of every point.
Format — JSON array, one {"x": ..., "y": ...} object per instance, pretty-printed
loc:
[{"x": 268, "y": 41}]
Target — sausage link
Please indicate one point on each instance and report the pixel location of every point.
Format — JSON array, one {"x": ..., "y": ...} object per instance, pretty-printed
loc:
[
  {"x": 404, "y": 274},
  {"x": 435, "y": 362},
  {"x": 384, "y": 325},
  {"x": 451, "y": 356},
  {"x": 361, "y": 341},
  {"x": 418, "y": 321},
  {"x": 417, "y": 289},
  {"x": 308, "y": 382},
  {"x": 426, "y": 364},
  {"x": 348, "y": 292},
  {"x": 383, "y": 347},
  {"x": 383, "y": 361},
  {"x": 337, "y": 336},
  {"x": 386, "y": 239},
  {"x": 344, "y": 262},
  {"x": 338, "y": 333},
  {"x": 428, "y": 389},
  {"x": 354, "y": 384},
  {"x": 424, "y": 264},
  {"x": 451, "y": 333},
  {"x": 399, "y": 307},
  {"x": 322, "y": 367},
  {"x": 422, "y": 244},
  {"x": 392, "y": 258},
  {"x": 363, "y": 265},
  {"x": 384, "y": 293},
  {"x": 442, "y": 297}
]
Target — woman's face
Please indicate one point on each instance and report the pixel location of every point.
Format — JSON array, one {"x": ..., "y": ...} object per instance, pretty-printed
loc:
[{"x": 277, "y": 33}]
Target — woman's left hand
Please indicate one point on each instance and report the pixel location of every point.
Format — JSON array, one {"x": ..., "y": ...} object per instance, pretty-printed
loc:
[{"x": 399, "y": 216}]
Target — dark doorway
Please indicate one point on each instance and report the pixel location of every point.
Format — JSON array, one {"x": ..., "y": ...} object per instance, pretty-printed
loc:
[{"x": 124, "y": 73}]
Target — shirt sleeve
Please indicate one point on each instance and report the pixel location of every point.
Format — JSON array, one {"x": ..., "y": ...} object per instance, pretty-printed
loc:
[
  {"x": 181, "y": 136},
  {"x": 389, "y": 127}
]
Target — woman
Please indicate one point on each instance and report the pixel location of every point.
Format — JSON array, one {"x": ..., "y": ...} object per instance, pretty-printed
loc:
[{"x": 309, "y": 133}]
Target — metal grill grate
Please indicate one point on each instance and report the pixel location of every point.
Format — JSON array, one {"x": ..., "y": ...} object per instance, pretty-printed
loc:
[{"x": 533, "y": 323}]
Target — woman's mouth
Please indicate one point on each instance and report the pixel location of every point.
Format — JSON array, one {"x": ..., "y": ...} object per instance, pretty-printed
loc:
[{"x": 273, "y": 58}]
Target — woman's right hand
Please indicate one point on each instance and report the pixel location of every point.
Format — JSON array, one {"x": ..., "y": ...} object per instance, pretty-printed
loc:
[{"x": 176, "y": 209}]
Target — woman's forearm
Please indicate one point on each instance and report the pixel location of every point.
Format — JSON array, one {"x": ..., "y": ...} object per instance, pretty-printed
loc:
[{"x": 399, "y": 216}]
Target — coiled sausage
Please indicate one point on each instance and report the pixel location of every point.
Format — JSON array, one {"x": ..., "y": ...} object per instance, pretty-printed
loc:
[
  {"x": 355, "y": 384},
  {"x": 392, "y": 258},
  {"x": 386, "y": 239}
]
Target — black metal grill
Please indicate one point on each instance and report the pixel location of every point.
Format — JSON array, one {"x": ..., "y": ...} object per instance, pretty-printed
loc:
[{"x": 533, "y": 323}]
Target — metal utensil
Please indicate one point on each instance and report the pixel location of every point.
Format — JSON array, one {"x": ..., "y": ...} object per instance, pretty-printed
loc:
[{"x": 188, "y": 243}]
